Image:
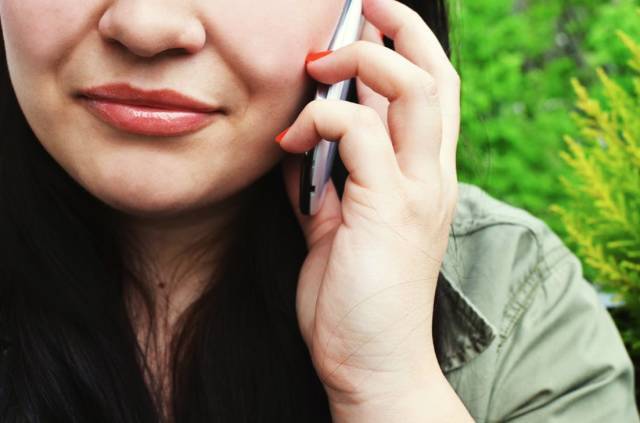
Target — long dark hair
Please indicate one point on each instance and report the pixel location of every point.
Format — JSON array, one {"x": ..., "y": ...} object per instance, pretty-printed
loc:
[{"x": 68, "y": 351}]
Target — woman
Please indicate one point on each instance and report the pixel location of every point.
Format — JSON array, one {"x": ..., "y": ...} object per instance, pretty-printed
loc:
[{"x": 155, "y": 266}]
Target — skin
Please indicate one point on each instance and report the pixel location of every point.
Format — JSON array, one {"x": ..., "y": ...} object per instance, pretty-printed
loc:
[
  {"x": 398, "y": 145},
  {"x": 168, "y": 188}
]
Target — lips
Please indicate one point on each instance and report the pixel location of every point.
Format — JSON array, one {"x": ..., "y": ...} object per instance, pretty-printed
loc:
[{"x": 162, "y": 112}]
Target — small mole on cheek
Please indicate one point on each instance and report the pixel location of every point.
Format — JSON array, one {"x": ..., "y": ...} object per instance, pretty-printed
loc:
[{"x": 161, "y": 284}]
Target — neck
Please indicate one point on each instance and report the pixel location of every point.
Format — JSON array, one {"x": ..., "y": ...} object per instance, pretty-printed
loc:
[{"x": 175, "y": 257}]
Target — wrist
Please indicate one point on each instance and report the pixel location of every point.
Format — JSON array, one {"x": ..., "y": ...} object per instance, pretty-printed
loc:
[{"x": 432, "y": 399}]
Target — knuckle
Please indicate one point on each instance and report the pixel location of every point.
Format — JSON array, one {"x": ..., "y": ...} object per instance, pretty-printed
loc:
[
  {"x": 414, "y": 211},
  {"x": 413, "y": 21},
  {"x": 425, "y": 87},
  {"x": 366, "y": 117},
  {"x": 418, "y": 201},
  {"x": 427, "y": 205},
  {"x": 428, "y": 200},
  {"x": 314, "y": 106},
  {"x": 317, "y": 109},
  {"x": 360, "y": 44},
  {"x": 362, "y": 48}
]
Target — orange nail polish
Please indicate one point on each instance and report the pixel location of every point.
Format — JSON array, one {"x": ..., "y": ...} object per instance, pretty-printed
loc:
[
  {"x": 281, "y": 135},
  {"x": 316, "y": 55}
]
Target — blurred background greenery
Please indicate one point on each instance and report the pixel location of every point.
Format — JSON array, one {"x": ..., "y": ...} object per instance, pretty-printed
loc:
[{"x": 516, "y": 59}]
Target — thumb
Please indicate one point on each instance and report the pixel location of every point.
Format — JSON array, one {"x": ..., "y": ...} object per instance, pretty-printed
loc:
[{"x": 327, "y": 219}]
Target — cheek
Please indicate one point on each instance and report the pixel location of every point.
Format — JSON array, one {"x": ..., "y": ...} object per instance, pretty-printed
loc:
[
  {"x": 268, "y": 44},
  {"x": 40, "y": 31},
  {"x": 39, "y": 35}
]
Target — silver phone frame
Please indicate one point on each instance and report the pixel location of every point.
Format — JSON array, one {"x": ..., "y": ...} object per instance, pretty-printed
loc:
[{"x": 318, "y": 163}]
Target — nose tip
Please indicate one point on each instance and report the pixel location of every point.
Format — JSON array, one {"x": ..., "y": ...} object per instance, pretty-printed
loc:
[{"x": 146, "y": 31}]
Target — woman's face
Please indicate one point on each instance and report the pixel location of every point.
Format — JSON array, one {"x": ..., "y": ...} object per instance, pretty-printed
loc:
[{"x": 245, "y": 56}]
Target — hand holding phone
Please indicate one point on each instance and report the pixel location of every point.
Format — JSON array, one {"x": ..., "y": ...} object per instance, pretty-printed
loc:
[
  {"x": 389, "y": 223},
  {"x": 318, "y": 162}
]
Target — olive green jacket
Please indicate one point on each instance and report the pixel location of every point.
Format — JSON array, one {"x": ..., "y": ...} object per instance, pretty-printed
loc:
[{"x": 522, "y": 335}]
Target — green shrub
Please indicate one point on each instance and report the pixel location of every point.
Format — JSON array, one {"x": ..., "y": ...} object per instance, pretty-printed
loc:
[{"x": 601, "y": 212}]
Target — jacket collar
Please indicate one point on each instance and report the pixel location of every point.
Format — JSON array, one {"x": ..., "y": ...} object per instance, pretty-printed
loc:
[{"x": 462, "y": 331}]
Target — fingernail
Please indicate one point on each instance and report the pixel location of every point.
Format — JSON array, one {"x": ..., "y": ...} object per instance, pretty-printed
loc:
[
  {"x": 316, "y": 55},
  {"x": 281, "y": 135}
]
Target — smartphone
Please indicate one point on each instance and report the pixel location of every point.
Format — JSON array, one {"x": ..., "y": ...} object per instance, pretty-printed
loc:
[{"x": 318, "y": 162}]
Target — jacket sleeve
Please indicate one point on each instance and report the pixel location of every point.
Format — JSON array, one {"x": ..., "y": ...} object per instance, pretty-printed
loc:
[{"x": 563, "y": 360}]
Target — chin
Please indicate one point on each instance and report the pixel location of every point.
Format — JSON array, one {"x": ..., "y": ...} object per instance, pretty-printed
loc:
[
  {"x": 149, "y": 204},
  {"x": 143, "y": 195},
  {"x": 152, "y": 188}
]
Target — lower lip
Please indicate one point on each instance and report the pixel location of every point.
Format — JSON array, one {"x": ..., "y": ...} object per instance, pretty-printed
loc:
[{"x": 144, "y": 120}]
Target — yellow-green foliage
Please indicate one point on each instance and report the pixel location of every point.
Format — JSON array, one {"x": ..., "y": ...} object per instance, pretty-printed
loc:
[{"x": 602, "y": 212}]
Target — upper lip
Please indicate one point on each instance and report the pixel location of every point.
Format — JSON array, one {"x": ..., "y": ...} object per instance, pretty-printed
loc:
[{"x": 161, "y": 98}]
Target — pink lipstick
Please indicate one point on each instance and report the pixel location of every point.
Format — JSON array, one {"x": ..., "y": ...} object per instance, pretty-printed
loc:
[{"x": 161, "y": 112}]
